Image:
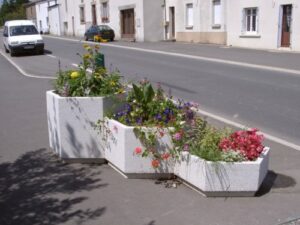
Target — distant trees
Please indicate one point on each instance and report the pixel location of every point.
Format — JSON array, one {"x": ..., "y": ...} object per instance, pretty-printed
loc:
[{"x": 12, "y": 10}]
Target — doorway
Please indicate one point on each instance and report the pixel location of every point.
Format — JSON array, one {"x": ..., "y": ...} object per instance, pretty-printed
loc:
[
  {"x": 127, "y": 23},
  {"x": 94, "y": 16},
  {"x": 73, "y": 26},
  {"x": 286, "y": 23},
  {"x": 172, "y": 22}
]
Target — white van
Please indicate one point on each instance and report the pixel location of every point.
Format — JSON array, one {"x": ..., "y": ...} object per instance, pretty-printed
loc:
[{"x": 20, "y": 36}]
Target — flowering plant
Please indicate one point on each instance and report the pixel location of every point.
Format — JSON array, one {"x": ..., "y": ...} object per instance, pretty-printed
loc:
[
  {"x": 247, "y": 142},
  {"x": 214, "y": 144},
  {"x": 145, "y": 106},
  {"x": 99, "y": 82}
]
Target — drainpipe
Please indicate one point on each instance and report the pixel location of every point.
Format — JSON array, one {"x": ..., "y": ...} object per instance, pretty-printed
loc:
[{"x": 165, "y": 27}]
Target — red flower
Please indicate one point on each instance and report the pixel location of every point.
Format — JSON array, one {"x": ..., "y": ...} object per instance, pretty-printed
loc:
[
  {"x": 138, "y": 150},
  {"x": 155, "y": 163},
  {"x": 165, "y": 156},
  {"x": 248, "y": 142}
]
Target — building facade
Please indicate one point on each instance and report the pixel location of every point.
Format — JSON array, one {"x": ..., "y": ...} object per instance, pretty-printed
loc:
[
  {"x": 42, "y": 15},
  {"x": 196, "y": 21},
  {"x": 130, "y": 19},
  {"x": 31, "y": 11},
  {"x": 268, "y": 24}
]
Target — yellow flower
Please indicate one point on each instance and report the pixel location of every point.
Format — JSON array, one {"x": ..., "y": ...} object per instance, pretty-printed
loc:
[
  {"x": 87, "y": 56},
  {"x": 74, "y": 75},
  {"x": 112, "y": 83},
  {"x": 97, "y": 46}
]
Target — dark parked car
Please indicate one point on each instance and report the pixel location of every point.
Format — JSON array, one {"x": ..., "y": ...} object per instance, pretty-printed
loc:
[{"x": 103, "y": 31}]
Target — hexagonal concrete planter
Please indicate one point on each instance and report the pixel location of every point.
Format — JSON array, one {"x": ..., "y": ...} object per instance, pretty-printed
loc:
[
  {"x": 222, "y": 178},
  {"x": 71, "y": 125},
  {"x": 120, "y": 145}
]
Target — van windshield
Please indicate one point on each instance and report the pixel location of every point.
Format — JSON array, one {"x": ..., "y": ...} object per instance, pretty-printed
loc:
[{"x": 22, "y": 30}]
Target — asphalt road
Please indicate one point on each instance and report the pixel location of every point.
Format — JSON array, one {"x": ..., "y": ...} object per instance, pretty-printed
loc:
[
  {"x": 36, "y": 188},
  {"x": 254, "y": 97}
]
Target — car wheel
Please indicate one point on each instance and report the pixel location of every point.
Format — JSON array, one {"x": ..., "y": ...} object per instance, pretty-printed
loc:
[
  {"x": 6, "y": 50},
  {"x": 112, "y": 39}
]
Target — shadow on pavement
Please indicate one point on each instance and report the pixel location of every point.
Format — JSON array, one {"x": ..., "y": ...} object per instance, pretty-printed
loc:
[
  {"x": 275, "y": 180},
  {"x": 37, "y": 188}
]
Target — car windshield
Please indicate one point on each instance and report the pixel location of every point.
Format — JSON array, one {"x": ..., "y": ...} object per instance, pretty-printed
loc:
[
  {"x": 104, "y": 27},
  {"x": 22, "y": 30}
]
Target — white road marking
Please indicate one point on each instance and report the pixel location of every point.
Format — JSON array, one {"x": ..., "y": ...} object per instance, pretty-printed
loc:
[
  {"x": 21, "y": 70},
  {"x": 51, "y": 56},
  {"x": 241, "y": 126},
  {"x": 208, "y": 59}
]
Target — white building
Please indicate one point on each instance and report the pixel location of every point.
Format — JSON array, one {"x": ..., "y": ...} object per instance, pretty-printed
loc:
[
  {"x": 42, "y": 15},
  {"x": 200, "y": 21},
  {"x": 140, "y": 20},
  {"x": 267, "y": 24},
  {"x": 54, "y": 19}
]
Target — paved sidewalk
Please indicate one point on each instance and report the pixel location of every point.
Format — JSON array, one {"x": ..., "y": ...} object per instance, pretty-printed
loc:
[
  {"x": 272, "y": 58},
  {"x": 38, "y": 189}
]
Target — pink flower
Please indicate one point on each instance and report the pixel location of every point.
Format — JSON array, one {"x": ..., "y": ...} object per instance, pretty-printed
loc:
[
  {"x": 138, "y": 150},
  {"x": 177, "y": 136},
  {"x": 186, "y": 148}
]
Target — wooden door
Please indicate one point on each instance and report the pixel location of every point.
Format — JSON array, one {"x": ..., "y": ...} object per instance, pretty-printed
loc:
[
  {"x": 172, "y": 23},
  {"x": 286, "y": 25},
  {"x": 127, "y": 23}
]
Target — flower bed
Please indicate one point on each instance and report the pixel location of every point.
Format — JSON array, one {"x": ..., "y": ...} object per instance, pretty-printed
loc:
[
  {"x": 123, "y": 151},
  {"x": 76, "y": 104},
  {"x": 72, "y": 122},
  {"x": 223, "y": 178},
  {"x": 140, "y": 137}
]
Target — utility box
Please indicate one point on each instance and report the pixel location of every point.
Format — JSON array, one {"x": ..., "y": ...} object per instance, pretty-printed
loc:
[{"x": 99, "y": 60}]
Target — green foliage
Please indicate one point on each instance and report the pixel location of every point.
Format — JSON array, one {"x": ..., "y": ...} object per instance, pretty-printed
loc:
[
  {"x": 205, "y": 144},
  {"x": 12, "y": 10},
  {"x": 81, "y": 83}
]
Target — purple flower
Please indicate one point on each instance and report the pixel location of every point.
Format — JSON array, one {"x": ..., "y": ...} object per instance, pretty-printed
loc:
[
  {"x": 158, "y": 117},
  {"x": 186, "y": 147}
]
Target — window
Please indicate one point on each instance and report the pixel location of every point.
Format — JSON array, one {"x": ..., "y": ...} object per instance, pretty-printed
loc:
[
  {"x": 250, "y": 20},
  {"x": 217, "y": 12},
  {"x": 105, "y": 12},
  {"x": 189, "y": 16},
  {"x": 81, "y": 14}
]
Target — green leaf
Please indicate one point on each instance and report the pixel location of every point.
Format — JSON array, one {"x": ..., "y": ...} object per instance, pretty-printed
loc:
[
  {"x": 138, "y": 93},
  {"x": 148, "y": 93}
]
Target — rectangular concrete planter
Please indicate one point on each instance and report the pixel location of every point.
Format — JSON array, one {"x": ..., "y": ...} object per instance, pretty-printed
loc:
[
  {"x": 223, "y": 178},
  {"x": 120, "y": 145},
  {"x": 71, "y": 125}
]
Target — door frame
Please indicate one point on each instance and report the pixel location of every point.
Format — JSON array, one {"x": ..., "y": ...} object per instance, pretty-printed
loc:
[
  {"x": 280, "y": 18},
  {"x": 122, "y": 11},
  {"x": 94, "y": 14}
]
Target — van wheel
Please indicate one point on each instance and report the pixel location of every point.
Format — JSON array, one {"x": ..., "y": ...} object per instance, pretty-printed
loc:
[
  {"x": 40, "y": 52},
  {"x": 12, "y": 53}
]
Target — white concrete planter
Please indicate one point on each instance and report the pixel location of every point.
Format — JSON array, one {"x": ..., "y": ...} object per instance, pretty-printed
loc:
[
  {"x": 120, "y": 145},
  {"x": 71, "y": 125},
  {"x": 221, "y": 178}
]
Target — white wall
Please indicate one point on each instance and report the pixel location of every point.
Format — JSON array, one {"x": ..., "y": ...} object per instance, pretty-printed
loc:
[
  {"x": 54, "y": 20},
  {"x": 269, "y": 21},
  {"x": 202, "y": 18},
  {"x": 42, "y": 14},
  {"x": 141, "y": 8}
]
